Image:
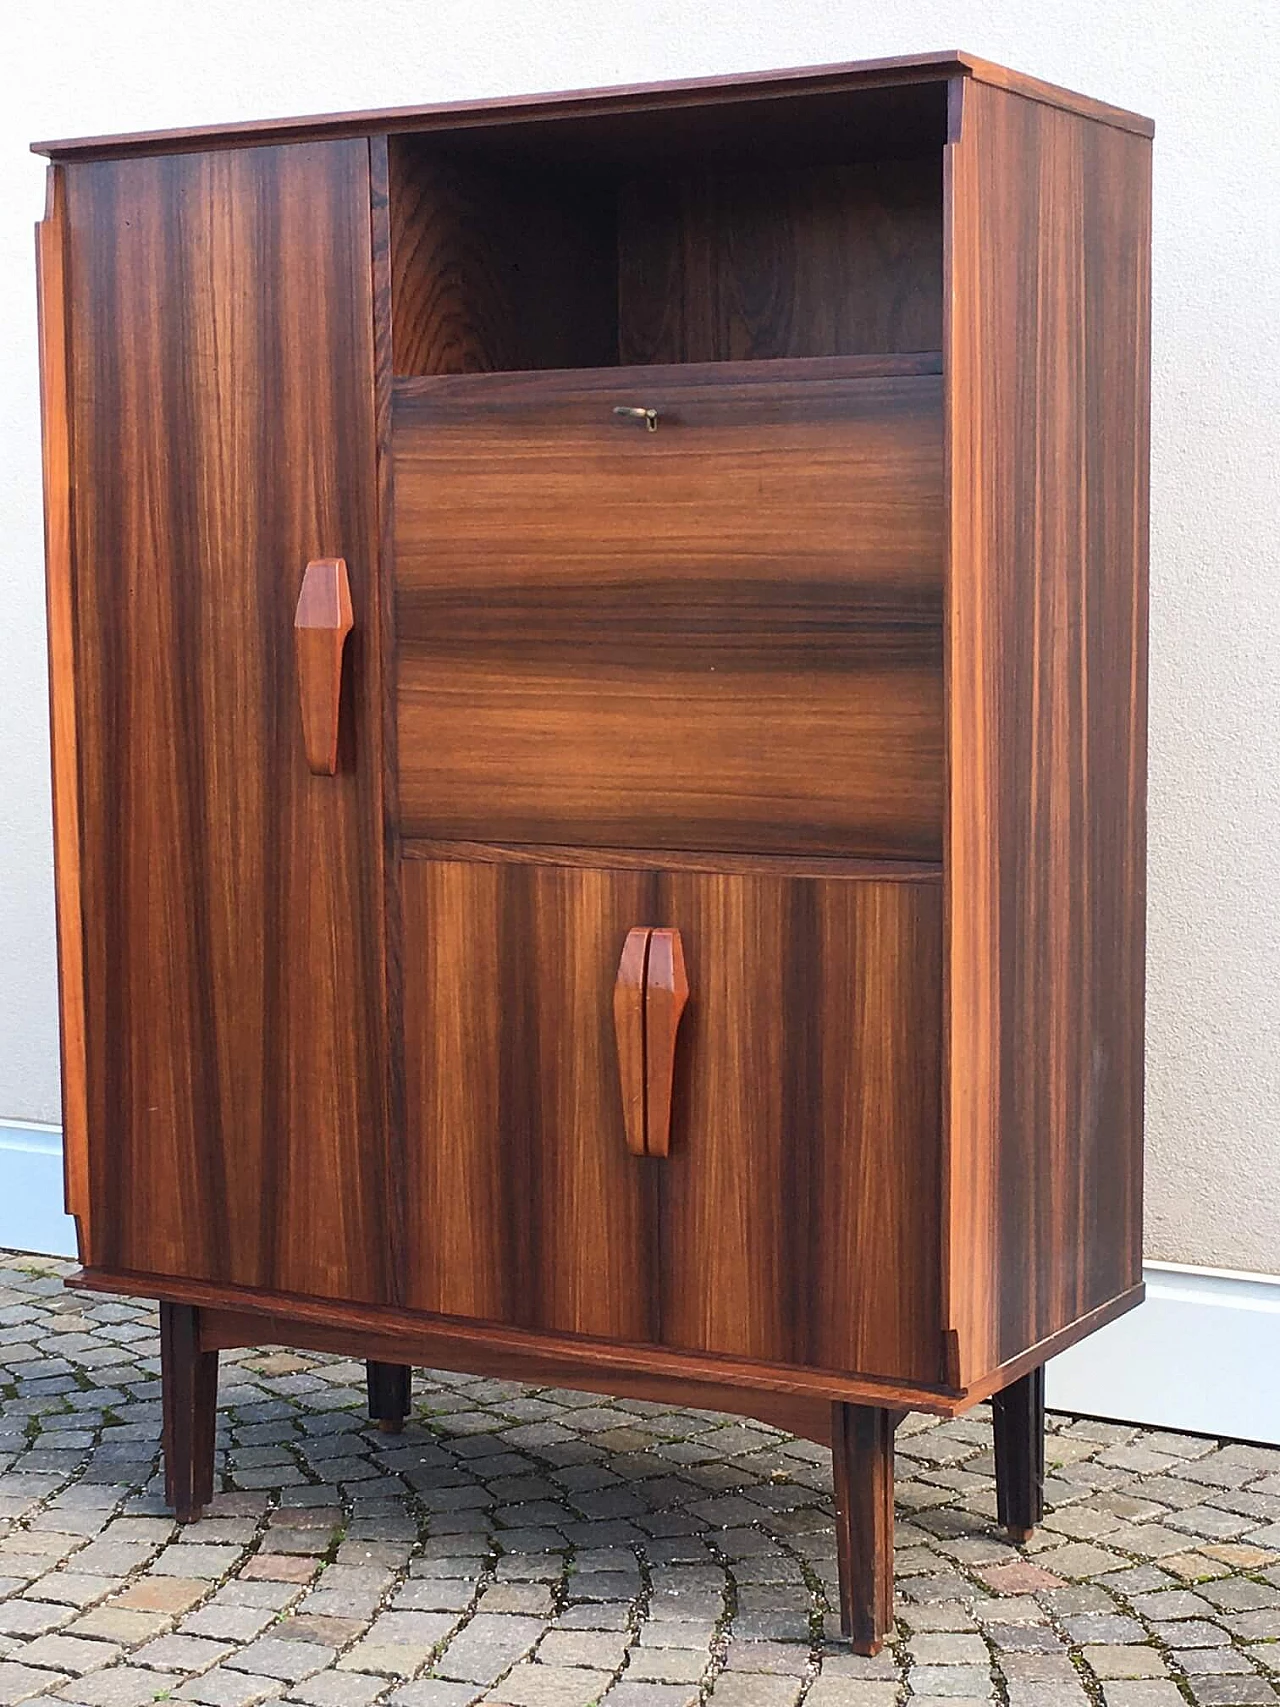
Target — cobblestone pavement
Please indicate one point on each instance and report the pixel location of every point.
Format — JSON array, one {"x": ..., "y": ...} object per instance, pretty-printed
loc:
[{"x": 552, "y": 1549}]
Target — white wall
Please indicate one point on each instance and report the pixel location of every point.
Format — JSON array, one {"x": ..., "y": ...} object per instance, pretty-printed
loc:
[{"x": 1208, "y": 74}]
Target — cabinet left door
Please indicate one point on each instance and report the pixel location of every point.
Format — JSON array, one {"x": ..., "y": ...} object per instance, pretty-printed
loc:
[{"x": 221, "y": 407}]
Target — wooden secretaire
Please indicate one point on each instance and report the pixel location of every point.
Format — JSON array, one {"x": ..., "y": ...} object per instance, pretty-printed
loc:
[{"x": 598, "y": 662}]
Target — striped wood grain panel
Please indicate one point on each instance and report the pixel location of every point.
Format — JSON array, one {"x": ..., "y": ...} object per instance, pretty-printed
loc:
[
  {"x": 222, "y": 410},
  {"x": 1047, "y": 359},
  {"x": 722, "y": 634},
  {"x": 796, "y": 1219}
]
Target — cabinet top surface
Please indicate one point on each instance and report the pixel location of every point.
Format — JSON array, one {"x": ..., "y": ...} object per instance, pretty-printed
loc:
[{"x": 794, "y": 85}]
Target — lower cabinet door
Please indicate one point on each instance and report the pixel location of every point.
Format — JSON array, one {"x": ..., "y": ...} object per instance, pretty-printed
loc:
[{"x": 796, "y": 1216}]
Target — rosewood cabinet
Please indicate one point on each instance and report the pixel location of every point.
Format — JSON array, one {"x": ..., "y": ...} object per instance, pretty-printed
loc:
[{"x": 598, "y": 666}]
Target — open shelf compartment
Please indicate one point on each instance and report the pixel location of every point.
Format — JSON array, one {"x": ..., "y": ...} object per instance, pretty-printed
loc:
[{"x": 594, "y": 248}]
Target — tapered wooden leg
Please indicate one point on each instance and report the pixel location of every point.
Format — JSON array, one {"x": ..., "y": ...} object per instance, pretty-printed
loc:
[
  {"x": 1018, "y": 1413},
  {"x": 388, "y": 1394},
  {"x": 862, "y": 1458},
  {"x": 189, "y": 1383}
]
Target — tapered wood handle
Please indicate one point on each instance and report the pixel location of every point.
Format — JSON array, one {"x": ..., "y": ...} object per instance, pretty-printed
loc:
[
  {"x": 628, "y": 1024},
  {"x": 666, "y": 990},
  {"x": 649, "y": 997},
  {"x": 320, "y": 631}
]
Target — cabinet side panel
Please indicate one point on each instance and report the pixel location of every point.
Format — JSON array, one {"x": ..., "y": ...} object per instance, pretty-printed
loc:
[
  {"x": 222, "y": 407},
  {"x": 56, "y": 422},
  {"x": 1048, "y": 374}
]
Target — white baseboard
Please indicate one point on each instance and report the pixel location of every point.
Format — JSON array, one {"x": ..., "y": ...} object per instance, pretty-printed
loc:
[
  {"x": 1201, "y": 1354},
  {"x": 31, "y": 1213}
]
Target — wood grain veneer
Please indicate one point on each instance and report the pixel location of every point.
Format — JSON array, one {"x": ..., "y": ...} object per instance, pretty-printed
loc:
[
  {"x": 536, "y": 1213},
  {"x": 838, "y": 260},
  {"x": 55, "y": 411},
  {"x": 1047, "y": 358},
  {"x": 722, "y": 634},
  {"x": 495, "y": 269},
  {"x": 236, "y": 1035}
]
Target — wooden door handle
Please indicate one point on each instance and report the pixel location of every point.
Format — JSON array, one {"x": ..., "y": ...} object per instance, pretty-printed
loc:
[
  {"x": 628, "y": 1024},
  {"x": 649, "y": 997},
  {"x": 320, "y": 629}
]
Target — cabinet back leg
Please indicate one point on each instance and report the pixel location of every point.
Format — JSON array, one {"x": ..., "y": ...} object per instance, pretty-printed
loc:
[
  {"x": 1018, "y": 1415},
  {"x": 389, "y": 1385},
  {"x": 189, "y": 1386},
  {"x": 862, "y": 1460}
]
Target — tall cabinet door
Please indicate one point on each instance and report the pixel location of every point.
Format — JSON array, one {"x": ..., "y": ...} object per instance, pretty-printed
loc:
[{"x": 222, "y": 430}]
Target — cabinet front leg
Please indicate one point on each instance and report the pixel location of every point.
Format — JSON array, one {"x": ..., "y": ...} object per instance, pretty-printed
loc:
[
  {"x": 189, "y": 1386},
  {"x": 1018, "y": 1414},
  {"x": 862, "y": 1459},
  {"x": 388, "y": 1385}
]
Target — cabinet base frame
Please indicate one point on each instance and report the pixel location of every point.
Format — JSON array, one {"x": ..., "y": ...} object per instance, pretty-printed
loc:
[
  {"x": 789, "y": 1397},
  {"x": 860, "y": 1437}
]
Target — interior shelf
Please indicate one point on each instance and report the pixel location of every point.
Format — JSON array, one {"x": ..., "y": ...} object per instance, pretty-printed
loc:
[{"x": 519, "y": 265}]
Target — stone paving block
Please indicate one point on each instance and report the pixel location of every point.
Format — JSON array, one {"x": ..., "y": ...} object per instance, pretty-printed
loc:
[
  {"x": 314, "y": 1627},
  {"x": 604, "y": 1585},
  {"x": 533, "y": 1685},
  {"x": 651, "y": 1695},
  {"x": 1057, "y": 1694},
  {"x": 338, "y": 1689},
  {"x": 161, "y": 1594},
  {"x": 431, "y": 1692},
  {"x": 22, "y": 1617},
  {"x": 434, "y": 1594},
  {"x": 73, "y": 1588},
  {"x": 944, "y": 1648},
  {"x": 236, "y": 1591},
  {"x": 667, "y": 1665},
  {"x": 225, "y": 1688},
  {"x": 118, "y": 1686},
  {"x": 1144, "y": 1692},
  {"x": 972, "y": 1682},
  {"x": 755, "y": 1689},
  {"x": 227, "y": 1623},
  {"x": 1255, "y": 1626},
  {"x": 196, "y": 1559},
  {"x": 1132, "y": 1660},
  {"x": 120, "y": 1624},
  {"x": 20, "y": 1682},
  {"x": 1206, "y": 1662},
  {"x": 529, "y": 1597},
  {"x": 268, "y": 1656},
  {"x": 1037, "y": 1668},
  {"x": 72, "y": 1654},
  {"x": 846, "y": 1664},
  {"x": 1103, "y": 1627},
  {"x": 597, "y": 1650},
  {"x": 182, "y": 1653},
  {"x": 108, "y": 1558},
  {"x": 1191, "y": 1633},
  {"x": 279, "y": 1567},
  {"x": 596, "y": 1615},
  {"x": 394, "y": 1659},
  {"x": 853, "y": 1692},
  {"x": 488, "y": 1646},
  {"x": 1232, "y": 1691},
  {"x": 783, "y": 1659}
]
